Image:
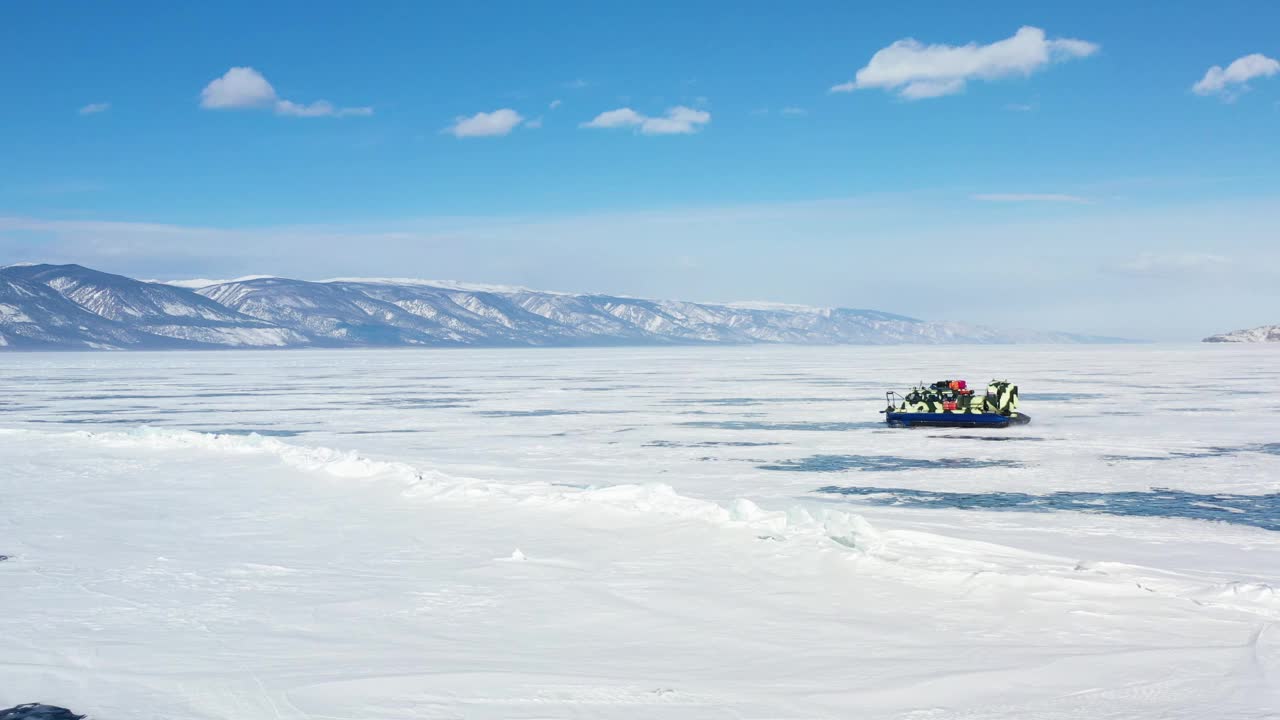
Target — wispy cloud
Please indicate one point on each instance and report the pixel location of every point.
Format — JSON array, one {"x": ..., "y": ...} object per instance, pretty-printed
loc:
[
  {"x": 1167, "y": 264},
  {"x": 320, "y": 108},
  {"x": 791, "y": 112},
  {"x": 1020, "y": 107},
  {"x": 917, "y": 71},
  {"x": 95, "y": 108},
  {"x": 1030, "y": 197},
  {"x": 554, "y": 104},
  {"x": 679, "y": 120},
  {"x": 1232, "y": 81},
  {"x": 243, "y": 88},
  {"x": 534, "y": 123},
  {"x": 576, "y": 84},
  {"x": 485, "y": 124}
]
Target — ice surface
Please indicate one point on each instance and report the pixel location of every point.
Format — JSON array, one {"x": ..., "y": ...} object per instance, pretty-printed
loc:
[{"x": 553, "y": 533}]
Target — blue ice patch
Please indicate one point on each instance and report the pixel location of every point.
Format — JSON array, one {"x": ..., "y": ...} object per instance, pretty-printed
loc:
[
  {"x": 1261, "y": 511},
  {"x": 883, "y": 463}
]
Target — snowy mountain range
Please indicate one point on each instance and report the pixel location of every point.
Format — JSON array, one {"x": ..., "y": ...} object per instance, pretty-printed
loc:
[
  {"x": 74, "y": 307},
  {"x": 1266, "y": 333}
]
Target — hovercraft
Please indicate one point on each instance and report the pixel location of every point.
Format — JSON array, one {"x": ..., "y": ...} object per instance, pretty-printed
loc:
[{"x": 950, "y": 403}]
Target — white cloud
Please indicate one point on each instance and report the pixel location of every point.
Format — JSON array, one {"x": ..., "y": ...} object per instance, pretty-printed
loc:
[
  {"x": 1242, "y": 70},
  {"x": 1030, "y": 197},
  {"x": 679, "y": 120},
  {"x": 242, "y": 88},
  {"x": 95, "y": 108},
  {"x": 534, "y": 123},
  {"x": 239, "y": 87},
  {"x": 554, "y": 104},
  {"x": 622, "y": 117},
  {"x": 917, "y": 71},
  {"x": 482, "y": 124}
]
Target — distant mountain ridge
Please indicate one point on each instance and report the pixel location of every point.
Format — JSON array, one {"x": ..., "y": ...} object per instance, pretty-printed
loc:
[
  {"x": 74, "y": 307},
  {"x": 1263, "y": 334}
]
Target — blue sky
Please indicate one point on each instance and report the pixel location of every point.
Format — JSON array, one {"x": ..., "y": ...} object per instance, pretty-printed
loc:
[{"x": 1074, "y": 179}]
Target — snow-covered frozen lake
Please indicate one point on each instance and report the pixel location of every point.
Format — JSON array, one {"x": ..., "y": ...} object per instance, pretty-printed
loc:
[{"x": 637, "y": 533}]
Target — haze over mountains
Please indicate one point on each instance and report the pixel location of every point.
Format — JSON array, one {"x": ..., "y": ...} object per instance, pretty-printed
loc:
[{"x": 73, "y": 307}]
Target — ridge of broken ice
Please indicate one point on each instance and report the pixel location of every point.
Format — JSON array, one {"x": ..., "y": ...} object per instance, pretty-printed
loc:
[{"x": 913, "y": 556}]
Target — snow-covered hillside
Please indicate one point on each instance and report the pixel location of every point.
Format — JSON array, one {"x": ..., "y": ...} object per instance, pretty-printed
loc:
[
  {"x": 266, "y": 311},
  {"x": 126, "y": 313},
  {"x": 34, "y": 316},
  {"x": 1266, "y": 333}
]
